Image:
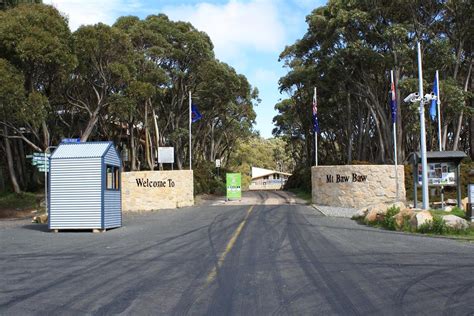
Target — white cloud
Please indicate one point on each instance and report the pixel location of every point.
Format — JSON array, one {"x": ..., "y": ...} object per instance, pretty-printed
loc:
[
  {"x": 265, "y": 76},
  {"x": 235, "y": 25},
  {"x": 81, "y": 12}
]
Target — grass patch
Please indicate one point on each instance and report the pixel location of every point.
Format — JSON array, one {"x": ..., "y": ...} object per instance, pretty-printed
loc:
[
  {"x": 302, "y": 194},
  {"x": 22, "y": 201},
  {"x": 455, "y": 211}
]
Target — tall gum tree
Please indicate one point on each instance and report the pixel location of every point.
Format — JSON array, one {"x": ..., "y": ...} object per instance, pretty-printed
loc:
[{"x": 36, "y": 39}]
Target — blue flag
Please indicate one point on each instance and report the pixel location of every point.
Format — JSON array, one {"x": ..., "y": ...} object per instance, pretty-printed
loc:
[
  {"x": 393, "y": 103},
  {"x": 433, "y": 108},
  {"x": 195, "y": 115},
  {"x": 315, "y": 115}
]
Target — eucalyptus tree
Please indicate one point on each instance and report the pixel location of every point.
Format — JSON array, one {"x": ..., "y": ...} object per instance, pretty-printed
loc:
[
  {"x": 227, "y": 101},
  {"x": 181, "y": 51},
  {"x": 347, "y": 53},
  {"x": 105, "y": 67},
  {"x": 12, "y": 101},
  {"x": 8, "y": 4},
  {"x": 174, "y": 58},
  {"x": 37, "y": 41}
]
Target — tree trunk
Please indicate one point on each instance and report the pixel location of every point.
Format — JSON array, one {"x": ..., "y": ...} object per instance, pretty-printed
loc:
[
  {"x": 179, "y": 162},
  {"x": 461, "y": 115},
  {"x": 471, "y": 137},
  {"x": 444, "y": 140},
  {"x": 399, "y": 127},
  {"x": 133, "y": 153},
  {"x": 22, "y": 159},
  {"x": 379, "y": 133},
  {"x": 11, "y": 169},
  {"x": 19, "y": 167},
  {"x": 45, "y": 135},
  {"x": 90, "y": 126},
  {"x": 349, "y": 128},
  {"x": 157, "y": 134},
  {"x": 147, "y": 140}
]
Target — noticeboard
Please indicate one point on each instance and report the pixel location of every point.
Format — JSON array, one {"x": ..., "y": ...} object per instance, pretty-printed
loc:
[
  {"x": 166, "y": 155},
  {"x": 233, "y": 184},
  {"x": 470, "y": 193},
  {"x": 440, "y": 174}
]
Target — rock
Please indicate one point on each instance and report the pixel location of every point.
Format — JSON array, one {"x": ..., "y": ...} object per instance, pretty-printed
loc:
[
  {"x": 371, "y": 216},
  {"x": 40, "y": 219},
  {"x": 400, "y": 217},
  {"x": 455, "y": 222},
  {"x": 400, "y": 205},
  {"x": 448, "y": 208},
  {"x": 375, "y": 214},
  {"x": 464, "y": 203},
  {"x": 420, "y": 218},
  {"x": 383, "y": 207},
  {"x": 360, "y": 214}
]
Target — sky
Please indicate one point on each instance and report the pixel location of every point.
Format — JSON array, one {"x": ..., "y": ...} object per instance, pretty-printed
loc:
[{"x": 249, "y": 35}]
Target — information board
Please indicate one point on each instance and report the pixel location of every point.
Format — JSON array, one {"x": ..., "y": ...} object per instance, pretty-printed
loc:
[
  {"x": 233, "y": 184},
  {"x": 470, "y": 193},
  {"x": 166, "y": 155},
  {"x": 440, "y": 174}
]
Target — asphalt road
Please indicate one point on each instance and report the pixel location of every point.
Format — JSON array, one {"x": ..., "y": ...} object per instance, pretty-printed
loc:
[{"x": 233, "y": 260}]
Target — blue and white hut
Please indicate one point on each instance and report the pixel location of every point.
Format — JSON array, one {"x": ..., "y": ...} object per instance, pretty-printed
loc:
[{"x": 85, "y": 191}]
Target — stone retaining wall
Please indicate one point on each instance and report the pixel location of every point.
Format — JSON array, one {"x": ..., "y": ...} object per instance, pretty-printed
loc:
[
  {"x": 152, "y": 190},
  {"x": 356, "y": 186}
]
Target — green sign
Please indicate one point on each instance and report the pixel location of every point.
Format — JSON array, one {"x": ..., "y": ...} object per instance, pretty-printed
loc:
[
  {"x": 233, "y": 183},
  {"x": 40, "y": 161}
]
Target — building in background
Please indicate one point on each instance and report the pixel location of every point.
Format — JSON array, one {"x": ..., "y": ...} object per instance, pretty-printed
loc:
[{"x": 265, "y": 179}]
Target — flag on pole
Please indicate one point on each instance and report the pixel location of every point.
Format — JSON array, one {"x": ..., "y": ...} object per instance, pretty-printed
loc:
[
  {"x": 393, "y": 102},
  {"x": 315, "y": 114},
  {"x": 433, "y": 109},
  {"x": 195, "y": 115}
]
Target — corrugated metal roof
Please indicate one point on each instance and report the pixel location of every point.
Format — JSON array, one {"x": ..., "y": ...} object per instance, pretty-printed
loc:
[
  {"x": 455, "y": 156},
  {"x": 81, "y": 150}
]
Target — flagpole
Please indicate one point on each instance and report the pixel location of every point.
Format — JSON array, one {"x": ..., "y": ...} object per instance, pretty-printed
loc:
[
  {"x": 190, "y": 122},
  {"x": 438, "y": 103},
  {"x": 395, "y": 155},
  {"x": 315, "y": 133},
  {"x": 424, "y": 164}
]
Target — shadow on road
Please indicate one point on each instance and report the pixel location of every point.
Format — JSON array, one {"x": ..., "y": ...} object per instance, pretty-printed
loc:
[{"x": 37, "y": 227}]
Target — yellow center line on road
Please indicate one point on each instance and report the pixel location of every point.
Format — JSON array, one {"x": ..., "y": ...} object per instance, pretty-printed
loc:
[{"x": 228, "y": 248}]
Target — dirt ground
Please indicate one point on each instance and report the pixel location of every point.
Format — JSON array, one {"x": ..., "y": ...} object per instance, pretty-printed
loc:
[{"x": 16, "y": 214}]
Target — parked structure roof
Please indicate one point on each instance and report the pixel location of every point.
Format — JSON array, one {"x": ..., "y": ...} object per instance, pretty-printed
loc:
[
  {"x": 81, "y": 150},
  {"x": 261, "y": 172},
  {"x": 435, "y": 156}
]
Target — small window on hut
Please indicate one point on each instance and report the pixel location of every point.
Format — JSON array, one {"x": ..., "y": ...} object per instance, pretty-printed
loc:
[{"x": 112, "y": 178}]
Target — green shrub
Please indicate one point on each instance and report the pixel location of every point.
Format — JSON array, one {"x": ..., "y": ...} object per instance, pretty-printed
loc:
[
  {"x": 458, "y": 212},
  {"x": 388, "y": 220},
  {"x": 300, "y": 179},
  {"x": 206, "y": 180},
  {"x": 406, "y": 224},
  {"x": 24, "y": 200},
  {"x": 436, "y": 226}
]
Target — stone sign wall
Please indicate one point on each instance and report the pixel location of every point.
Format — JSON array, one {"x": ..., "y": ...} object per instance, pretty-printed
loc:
[
  {"x": 152, "y": 190},
  {"x": 356, "y": 186}
]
